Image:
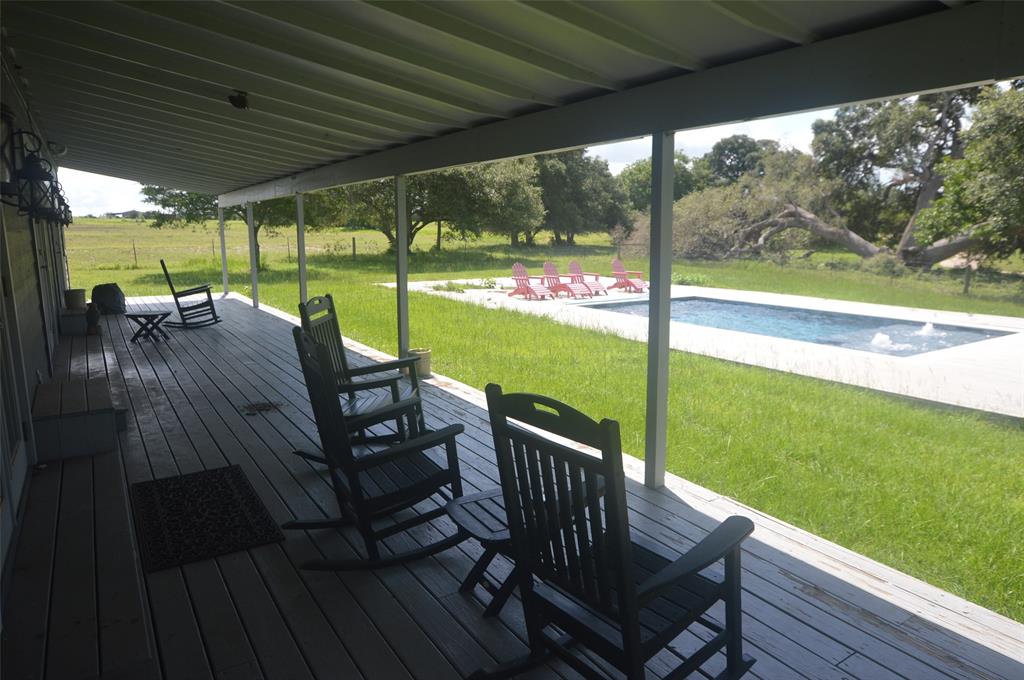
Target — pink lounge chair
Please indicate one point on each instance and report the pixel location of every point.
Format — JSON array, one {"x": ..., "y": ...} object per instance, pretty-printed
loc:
[
  {"x": 576, "y": 274},
  {"x": 630, "y": 281},
  {"x": 525, "y": 286},
  {"x": 553, "y": 280}
]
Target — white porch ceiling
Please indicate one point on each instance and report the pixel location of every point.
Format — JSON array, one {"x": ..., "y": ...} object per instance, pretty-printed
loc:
[{"x": 139, "y": 90}]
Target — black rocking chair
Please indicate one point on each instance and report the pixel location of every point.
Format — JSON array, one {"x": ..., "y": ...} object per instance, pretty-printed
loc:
[
  {"x": 580, "y": 572},
  {"x": 194, "y": 313},
  {"x": 360, "y": 387},
  {"x": 372, "y": 485}
]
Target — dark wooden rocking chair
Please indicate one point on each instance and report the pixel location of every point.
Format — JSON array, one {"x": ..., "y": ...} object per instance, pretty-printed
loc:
[
  {"x": 383, "y": 385},
  {"x": 196, "y": 313},
  {"x": 580, "y": 572},
  {"x": 372, "y": 485}
]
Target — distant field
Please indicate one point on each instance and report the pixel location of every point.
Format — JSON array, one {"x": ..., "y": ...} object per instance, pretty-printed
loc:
[{"x": 935, "y": 492}]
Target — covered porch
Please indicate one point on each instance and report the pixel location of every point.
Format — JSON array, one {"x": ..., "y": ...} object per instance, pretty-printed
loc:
[{"x": 83, "y": 607}]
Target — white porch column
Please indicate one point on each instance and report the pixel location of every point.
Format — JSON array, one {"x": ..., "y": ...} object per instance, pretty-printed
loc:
[
  {"x": 223, "y": 250},
  {"x": 402, "y": 266},
  {"x": 254, "y": 264},
  {"x": 300, "y": 245},
  {"x": 663, "y": 161}
]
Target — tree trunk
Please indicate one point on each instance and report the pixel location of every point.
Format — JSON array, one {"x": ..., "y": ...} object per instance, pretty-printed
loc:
[
  {"x": 514, "y": 239},
  {"x": 570, "y": 238},
  {"x": 930, "y": 180},
  {"x": 795, "y": 217},
  {"x": 438, "y": 246},
  {"x": 968, "y": 275},
  {"x": 256, "y": 246},
  {"x": 938, "y": 251},
  {"x": 558, "y": 237}
]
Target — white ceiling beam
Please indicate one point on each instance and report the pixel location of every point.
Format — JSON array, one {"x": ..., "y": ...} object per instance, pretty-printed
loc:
[
  {"x": 441, "y": 18},
  {"x": 304, "y": 16},
  {"x": 286, "y": 98},
  {"x": 129, "y": 76},
  {"x": 76, "y": 79},
  {"x": 77, "y": 137},
  {"x": 588, "y": 19},
  {"x": 117, "y": 107},
  {"x": 83, "y": 25},
  {"x": 118, "y": 164},
  {"x": 61, "y": 124},
  {"x": 761, "y": 17},
  {"x": 140, "y": 175},
  {"x": 976, "y": 43},
  {"x": 139, "y": 131},
  {"x": 195, "y": 22}
]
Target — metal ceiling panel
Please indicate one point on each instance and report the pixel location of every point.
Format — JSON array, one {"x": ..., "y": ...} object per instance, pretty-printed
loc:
[{"x": 140, "y": 89}]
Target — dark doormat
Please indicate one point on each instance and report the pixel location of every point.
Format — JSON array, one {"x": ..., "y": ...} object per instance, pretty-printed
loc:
[{"x": 199, "y": 515}]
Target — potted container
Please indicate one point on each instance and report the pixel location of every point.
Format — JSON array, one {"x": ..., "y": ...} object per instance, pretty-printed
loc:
[
  {"x": 74, "y": 299},
  {"x": 423, "y": 368}
]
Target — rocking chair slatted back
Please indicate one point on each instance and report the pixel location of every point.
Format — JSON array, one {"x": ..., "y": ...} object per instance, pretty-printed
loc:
[
  {"x": 315, "y": 360},
  {"x": 558, "y": 524},
  {"x": 320, "y": 320}
]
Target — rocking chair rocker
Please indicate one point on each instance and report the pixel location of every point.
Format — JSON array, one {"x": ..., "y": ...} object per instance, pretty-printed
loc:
[{"x": 371, "y": 485}]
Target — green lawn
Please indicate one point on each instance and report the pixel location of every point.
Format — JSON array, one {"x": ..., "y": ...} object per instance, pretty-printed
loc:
[{"x": 935, "y": 492}]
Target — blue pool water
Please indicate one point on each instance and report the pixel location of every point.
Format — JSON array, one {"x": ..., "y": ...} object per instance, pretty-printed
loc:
[{"x": 852, "y": 331}]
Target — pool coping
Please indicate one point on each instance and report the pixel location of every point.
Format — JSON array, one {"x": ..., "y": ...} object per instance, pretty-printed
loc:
[{"x": 986, "y": 375}]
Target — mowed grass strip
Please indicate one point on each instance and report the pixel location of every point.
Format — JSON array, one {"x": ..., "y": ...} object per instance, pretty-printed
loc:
[{"x": 935, "y": 492}]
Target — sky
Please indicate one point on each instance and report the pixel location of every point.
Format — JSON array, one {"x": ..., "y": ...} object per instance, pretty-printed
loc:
[{"x": 91, "y": 194}]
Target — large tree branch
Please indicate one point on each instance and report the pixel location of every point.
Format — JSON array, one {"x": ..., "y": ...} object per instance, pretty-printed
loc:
[{"x": 939, "y": 251}]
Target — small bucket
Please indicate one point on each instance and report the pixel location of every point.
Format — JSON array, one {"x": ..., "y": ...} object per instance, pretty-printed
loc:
[
  {"x": 423, "y": 367},
  {"x": 74, "y": 299}
]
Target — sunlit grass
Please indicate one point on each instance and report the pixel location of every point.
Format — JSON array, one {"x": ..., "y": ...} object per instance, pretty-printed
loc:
[{"x": 935, "y": 492}]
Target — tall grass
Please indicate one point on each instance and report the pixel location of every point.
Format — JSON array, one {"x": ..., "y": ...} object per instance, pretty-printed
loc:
[{"x": 935, "y": 492}]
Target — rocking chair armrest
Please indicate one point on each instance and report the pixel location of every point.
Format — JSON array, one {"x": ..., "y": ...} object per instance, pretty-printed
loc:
[
  {"x": 445, "y": 435},
  {"x": 205, "y": 288},
  {"x": 726, "y": 537},
  {"x": 594, "y": 274},
  {"x": 359, "y": 385},
  {"x": 388, "y": 412},
  {"x": 384, "y": 366},
  {"x": 635, "y": 273}
]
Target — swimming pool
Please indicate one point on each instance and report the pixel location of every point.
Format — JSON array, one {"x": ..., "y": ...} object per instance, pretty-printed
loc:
[{"x": 881, "y": 335}]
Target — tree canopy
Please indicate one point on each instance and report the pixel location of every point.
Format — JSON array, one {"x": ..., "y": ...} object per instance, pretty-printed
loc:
[
  {"x": 635, "y": 181},
  {"x": 579, "y": 195}
]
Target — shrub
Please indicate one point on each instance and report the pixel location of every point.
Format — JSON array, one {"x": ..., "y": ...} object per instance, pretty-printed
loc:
[
  {"x": 884, "y": 264},
  {"x": 681, "y": 279}
]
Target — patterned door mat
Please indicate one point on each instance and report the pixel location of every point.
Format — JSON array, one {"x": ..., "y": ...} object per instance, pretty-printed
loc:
[{"x": 199, "y": 515}]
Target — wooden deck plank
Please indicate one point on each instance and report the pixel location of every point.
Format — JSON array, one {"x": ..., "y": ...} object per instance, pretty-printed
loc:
[
  {"x": 811, "y": 609},
  {"x": 28, "y": 601},
  {"x": 72, "y": 648}
]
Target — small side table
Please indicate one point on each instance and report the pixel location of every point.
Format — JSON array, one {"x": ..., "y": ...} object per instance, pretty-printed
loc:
[
  {"x": 482, "y": 516},
  {"x": 149, "y": 325}
]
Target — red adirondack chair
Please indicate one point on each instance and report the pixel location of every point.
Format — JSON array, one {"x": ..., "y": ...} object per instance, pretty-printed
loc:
[
  {"x": 577, "y": 275},
  {"x": 630, "y": 281},
  {"x": 553, "y": 280},
  {"x": 526, "y": 287}
]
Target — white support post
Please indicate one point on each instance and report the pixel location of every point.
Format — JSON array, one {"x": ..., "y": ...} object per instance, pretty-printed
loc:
[
  {"x": 300, "y": 245},
  {"x": 402, "y": 266},
  {"x": 254, "y": 264},
  {"x": 223, "y": 250},
  {"x": 663, "y": 161}
]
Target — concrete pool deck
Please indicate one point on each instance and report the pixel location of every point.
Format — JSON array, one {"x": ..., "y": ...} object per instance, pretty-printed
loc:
[{"x": 987, "y": 375}]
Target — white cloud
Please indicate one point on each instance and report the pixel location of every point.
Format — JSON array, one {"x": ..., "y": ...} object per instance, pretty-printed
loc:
[
  {"x": 92, "y": 194},
  {"x": 792, "y": 131}
]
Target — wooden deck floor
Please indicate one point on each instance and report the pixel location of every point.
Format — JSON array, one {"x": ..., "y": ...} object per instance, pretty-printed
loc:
[{"x": 79, "y": 607}]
